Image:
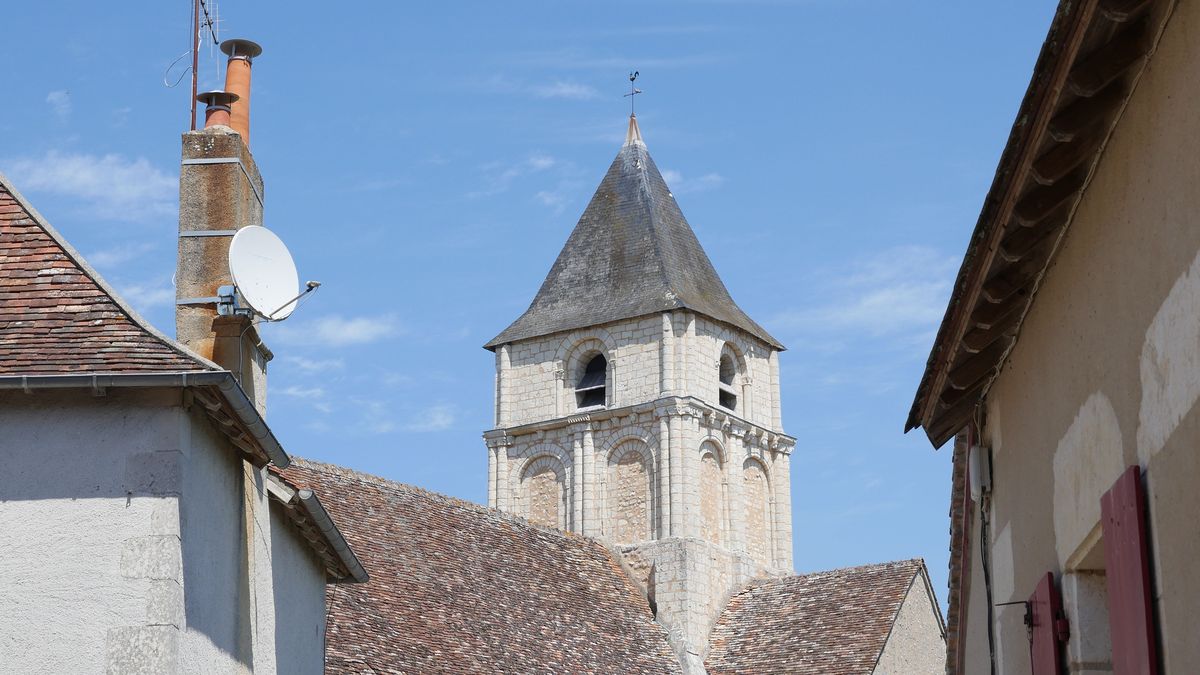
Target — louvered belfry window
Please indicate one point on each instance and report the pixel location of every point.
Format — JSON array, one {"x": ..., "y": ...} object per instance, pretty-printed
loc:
[
  {"x": 1127, "y": 560},
  {"x": 593, "y": 384},
  {"x": 726, "y": 373}
]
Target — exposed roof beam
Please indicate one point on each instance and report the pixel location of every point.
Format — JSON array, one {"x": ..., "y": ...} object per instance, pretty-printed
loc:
[
  {"x": 1018, "y": 243},
  {"x": 1107, "y": 63},
  {"x": 948, "y": 422},
  {"x": 988, "y": 315},
  {"x": 1041, "y": 201},
  {"x": 976, "y": 366},
  {"x": 1086, "y": 112},
  {"x": 952, "y": 397},
  {"x": 1063, "y": 158},
  {"x": 1122, "y": 10},
  {"x": 981, "y": 338}
]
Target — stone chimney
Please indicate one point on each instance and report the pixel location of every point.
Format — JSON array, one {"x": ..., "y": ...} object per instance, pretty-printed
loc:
[{"x": 220, "y": 192}]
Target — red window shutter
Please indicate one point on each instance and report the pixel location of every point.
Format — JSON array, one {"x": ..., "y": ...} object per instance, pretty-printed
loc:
[
  {"x": 1130, "y": 612},
  {"x": 1047, "y": 628}
]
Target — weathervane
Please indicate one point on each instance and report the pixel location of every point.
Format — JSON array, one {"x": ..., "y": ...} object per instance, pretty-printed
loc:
[{"x": 633, "y": 91}]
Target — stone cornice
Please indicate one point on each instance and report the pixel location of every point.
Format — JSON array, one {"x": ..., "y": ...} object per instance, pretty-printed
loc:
[{"x": 668, "y": 406}]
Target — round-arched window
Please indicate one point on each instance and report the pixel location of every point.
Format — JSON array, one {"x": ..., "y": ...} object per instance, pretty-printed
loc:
[
  {"x": 726, "y": 376},
  {"x": 592, "y": 388}
]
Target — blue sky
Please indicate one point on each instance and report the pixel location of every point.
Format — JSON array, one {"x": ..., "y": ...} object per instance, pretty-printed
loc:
[{"x": 426, "y": 161}]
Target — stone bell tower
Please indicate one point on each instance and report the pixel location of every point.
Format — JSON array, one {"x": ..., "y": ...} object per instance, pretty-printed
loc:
[{"x": 638, "y": 404}]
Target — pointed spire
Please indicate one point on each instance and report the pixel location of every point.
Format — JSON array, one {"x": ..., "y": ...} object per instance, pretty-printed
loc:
[
  {"x": 634, "y": 134},
  {"x": 632, "y": 254}
]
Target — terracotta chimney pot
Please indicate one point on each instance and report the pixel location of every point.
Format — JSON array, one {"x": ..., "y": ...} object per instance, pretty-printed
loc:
[
  {"x": 217, "y": 105},
  {"x": 237, "y": 81}
]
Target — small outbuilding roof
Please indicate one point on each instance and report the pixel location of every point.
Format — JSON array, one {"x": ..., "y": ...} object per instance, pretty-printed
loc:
[
  {"x": 631, "y": 254},
  {"x": 459, "y": 588},
  {"x": 824, "y": 623}
]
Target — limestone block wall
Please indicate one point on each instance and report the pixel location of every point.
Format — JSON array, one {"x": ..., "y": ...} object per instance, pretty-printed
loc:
[
  {"x": 673, "y": 468},
  {"x": 672, "y": 353}
]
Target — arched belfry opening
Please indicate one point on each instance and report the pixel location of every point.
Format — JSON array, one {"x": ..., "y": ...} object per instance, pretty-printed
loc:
[{"x": 592, "y": 388}]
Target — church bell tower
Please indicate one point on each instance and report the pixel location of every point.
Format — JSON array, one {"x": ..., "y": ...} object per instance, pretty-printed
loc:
[{"x": 638, "y": 404}]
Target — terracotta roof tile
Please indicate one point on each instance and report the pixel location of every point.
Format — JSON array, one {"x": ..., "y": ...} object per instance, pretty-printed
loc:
[
  {"x": 459, "y": 588},
  {"x": 826, "y": 623},
  {"x": 57, "y": 316}
]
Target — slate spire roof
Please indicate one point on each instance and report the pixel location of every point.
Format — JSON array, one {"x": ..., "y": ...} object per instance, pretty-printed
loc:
[{"x": 631, "y": 254}]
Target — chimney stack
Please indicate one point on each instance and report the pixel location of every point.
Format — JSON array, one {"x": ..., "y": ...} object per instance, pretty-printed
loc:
[
  {"x": 241, "y": 53},
  {"x": 220, "y": 192},
  {"x": 216, "y": 109}
]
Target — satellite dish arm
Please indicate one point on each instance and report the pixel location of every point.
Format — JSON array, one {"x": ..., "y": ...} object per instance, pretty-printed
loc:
[{"x": 308, "y": 288}]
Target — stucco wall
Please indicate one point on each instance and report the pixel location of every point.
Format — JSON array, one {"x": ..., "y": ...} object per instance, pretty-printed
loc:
[
  {"x": 1106, "y": 372},
  {"x": 124, "y": 527},
  {"x": 217, "y": 634},
  {"x": 916, "y": 645},
  {"x": 89, "y": 505},
  {"x": 299, "y": 600}
]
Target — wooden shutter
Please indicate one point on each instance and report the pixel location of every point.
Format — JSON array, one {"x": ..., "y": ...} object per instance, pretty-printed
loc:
[
  {"x": 1127, "y": 563},
  {"x": 1047, "y": 628}
]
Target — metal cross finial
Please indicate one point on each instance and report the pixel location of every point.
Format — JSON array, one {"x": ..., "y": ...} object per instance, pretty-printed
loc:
[{"x": 633, "y": 91}]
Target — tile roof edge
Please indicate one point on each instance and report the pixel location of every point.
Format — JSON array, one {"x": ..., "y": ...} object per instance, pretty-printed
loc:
[
  {"x": 919, "y": 562},
  {"x": 895, "y": 615},
  {"x": 380, "y": 481},
  {"x": 314, "y": 510},
  {"x": 95, "y": 277}
]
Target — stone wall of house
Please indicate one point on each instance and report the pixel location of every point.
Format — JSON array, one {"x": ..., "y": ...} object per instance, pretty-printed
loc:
[
  {"x": 126, "y": 518},
  {"x": 916, "y": 644},
  {"x": 299, "y": 599},
  {"x": 1106, "y": 374},
  {"x": 89, "y": 501}
]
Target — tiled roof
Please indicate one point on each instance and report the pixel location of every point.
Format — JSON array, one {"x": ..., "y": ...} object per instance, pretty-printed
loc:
[
  {"x": 58, "y": 317},
  {"x": 825, "y": 623},
  {"x": 631, "y": 254},
  {"x": 458, "y": 588}
]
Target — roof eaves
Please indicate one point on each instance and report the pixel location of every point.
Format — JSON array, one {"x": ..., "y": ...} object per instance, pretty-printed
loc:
[
  {"x": 304, "y": 508},
  {"x": 232, "y": 411},
  {"x": 1018, "y": 187}
]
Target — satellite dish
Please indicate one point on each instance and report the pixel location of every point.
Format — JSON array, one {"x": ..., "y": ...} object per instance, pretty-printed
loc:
[{"x": 264, "y": 273}]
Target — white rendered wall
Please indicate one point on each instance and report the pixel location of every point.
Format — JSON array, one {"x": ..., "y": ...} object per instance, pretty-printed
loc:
[
  {"x": 88, "y": 501},
  {"x": 299, "y": 600},
  {"x": 124, "y": 527}
]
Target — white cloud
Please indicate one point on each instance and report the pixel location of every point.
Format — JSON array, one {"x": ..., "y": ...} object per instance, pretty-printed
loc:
[
  {"x": 118, "y": 255},
  {"x": 295, "y": 391},
  {"x": 313, "y": 366},
  {"x": 900, "y": 292},
  {"x": 146, "y": 296},
  {"x": 60, "y": 104},
  {"x": 339, "y": 331},
  {"x": 110, "y": 186},
  {"x": 500, "y": 177},
  {"x": 567, "y": 90},
  {"x": 552, "y": 199},
  {"x": 433, "y": 418},
  {"x": 680, "y": 185}
]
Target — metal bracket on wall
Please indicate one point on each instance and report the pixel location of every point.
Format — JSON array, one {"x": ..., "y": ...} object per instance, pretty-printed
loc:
[
  {"x": 210, "y": 300},
  {"x": 227, "y": 160}
]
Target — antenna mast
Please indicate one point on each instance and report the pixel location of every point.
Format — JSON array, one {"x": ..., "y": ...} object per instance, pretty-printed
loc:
[{"x": 195, "y": 54}]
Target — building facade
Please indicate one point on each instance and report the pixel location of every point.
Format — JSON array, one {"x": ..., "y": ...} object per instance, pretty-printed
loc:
[{"x": 1067, "y": 365}]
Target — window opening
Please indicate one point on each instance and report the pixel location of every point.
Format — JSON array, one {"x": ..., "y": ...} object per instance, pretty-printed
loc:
[
  {"x": 592, "y": 388},
  {"x": 726, "y": 394}
]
